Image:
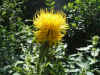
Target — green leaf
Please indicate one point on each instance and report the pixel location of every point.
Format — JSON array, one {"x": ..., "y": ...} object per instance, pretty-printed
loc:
[
  {"x": 96, "y": 52},
  {"x": 89, "y": 73},
  {"x": 16, "y": 73},
  {"x": 3, "y": 13},
  {"x": 70, "y": 5},
  {"x": 74, "y": 25},
  {"x": 77, "y": 1}
]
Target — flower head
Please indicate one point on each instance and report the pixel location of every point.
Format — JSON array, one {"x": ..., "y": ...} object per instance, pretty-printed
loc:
[{"x": 50, "y": 26}]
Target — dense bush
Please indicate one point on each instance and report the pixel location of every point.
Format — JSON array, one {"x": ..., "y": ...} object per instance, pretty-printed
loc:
[{"x": 78, "y": 54}]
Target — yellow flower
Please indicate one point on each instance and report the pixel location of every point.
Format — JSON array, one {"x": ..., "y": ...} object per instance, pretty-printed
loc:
[{"x": 50, "y": 26}]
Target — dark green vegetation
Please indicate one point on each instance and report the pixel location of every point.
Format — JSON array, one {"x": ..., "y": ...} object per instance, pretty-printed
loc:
[{"x": 19, "y": 52}]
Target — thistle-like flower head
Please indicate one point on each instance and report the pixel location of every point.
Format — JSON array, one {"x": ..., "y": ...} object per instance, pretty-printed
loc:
[{"x": 51, "y": 26}]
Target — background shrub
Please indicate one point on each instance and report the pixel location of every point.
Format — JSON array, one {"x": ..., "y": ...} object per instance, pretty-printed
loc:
[{"x": 79, "y": 54}]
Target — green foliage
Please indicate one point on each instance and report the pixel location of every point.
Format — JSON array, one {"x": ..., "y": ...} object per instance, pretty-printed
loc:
[
  {"x": 20, "y": 54},
  {"x": 83, "y": 16},
  {"x": 50, "y": 3}
]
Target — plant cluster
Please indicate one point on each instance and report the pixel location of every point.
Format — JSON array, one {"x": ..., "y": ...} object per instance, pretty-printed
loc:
[{"x": 24, "y": 52}]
